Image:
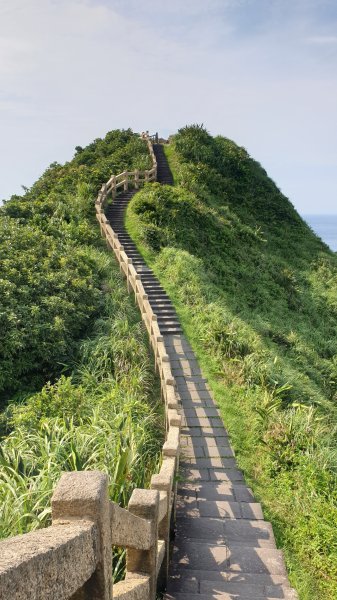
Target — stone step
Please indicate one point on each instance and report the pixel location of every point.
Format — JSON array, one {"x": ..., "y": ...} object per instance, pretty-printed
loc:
[
  {"x": 162, "y": 301},
  {"x": 227, "y": 508},
  {"x": 200, "y": 412},
  {"x": 233, "y": 532},
  {"x": 168, "y": 320},
  {"x": 200, "y": 391},
  {"x": 247, "y": 590},
  {"x": 216, "y": 491},
  {"x": 151, "y": 289},
  {"x": 150, "y": 279},
  {"x": 181, "y": 372},
  {"x": 189, "y": 452},
  {"x": 117, "y": 208},
  {"x": 203, "y": 421},
  {"x": 212, "y": 490},
  {"x": 226, "y": 462},
  {"x": 161, "y": 305},
  {"x": 207, "y": 475},
  {"x": 157, "y": 297},
  {"x": 186, "y": 576},
  {"x": 239, "y": 592},
  {"x": 201, "y": 442},
  {"x": 196, "y": 379},
  {"x": 153, "y": 283},
  {"x": 164, "y": 314},
  {"x": 204, "y": 432},
  {"x": 268, "y": 587},
  {"x": 170, "y": 330},
  {"x": 234, "y": 558},
  {"x": 191, "y": 399}
]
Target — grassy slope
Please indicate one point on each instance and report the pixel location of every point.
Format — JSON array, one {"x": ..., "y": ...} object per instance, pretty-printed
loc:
[
  {"x": 51, "y": 274},
  {"x": 256, "y": 292},
  {"x": 77, "y": 379}
]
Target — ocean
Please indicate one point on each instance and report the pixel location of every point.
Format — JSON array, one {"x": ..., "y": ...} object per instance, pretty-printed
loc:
[{"x": 325, "y": 226}]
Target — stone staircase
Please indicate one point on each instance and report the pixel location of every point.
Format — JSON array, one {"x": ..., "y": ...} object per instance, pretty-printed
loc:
[
  {"x": 164, "y": 174},
  {"x": 223, "y": 547},
  {"x": 161, "y": 304}
]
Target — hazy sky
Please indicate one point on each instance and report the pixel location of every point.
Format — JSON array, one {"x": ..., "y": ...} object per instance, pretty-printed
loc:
[{"x": 262, "y": 72}]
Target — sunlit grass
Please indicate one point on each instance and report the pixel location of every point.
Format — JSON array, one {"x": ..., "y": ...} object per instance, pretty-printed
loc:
[{"x": 106, "y": 414}]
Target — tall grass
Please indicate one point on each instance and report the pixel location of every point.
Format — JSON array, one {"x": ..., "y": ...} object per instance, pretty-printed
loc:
[
  {"x": 104, "y": 414},
  {"x": 77, "y": 382}
]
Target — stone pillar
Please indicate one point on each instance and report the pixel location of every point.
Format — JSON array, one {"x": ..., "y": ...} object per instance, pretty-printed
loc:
[
  {"x": 145, "y": 504},
  {"x": 84, "y": 495},
  {"x": 113, "y": 187},
  {"x": 129, "y": 262},
  {"x": 136, "y": 179},
  {"x": 126, "y": 182},
  {"x": 164, "y": 484}
]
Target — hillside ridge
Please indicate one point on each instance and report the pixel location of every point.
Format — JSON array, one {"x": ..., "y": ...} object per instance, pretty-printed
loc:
[
  {"x": 255, "y": 291},
  {"x": 222, "y": 543}
]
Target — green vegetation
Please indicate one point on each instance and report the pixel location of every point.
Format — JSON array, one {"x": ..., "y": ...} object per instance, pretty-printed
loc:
[
  {"x": 256, "y": 292},
  {"x": 77, "y": 382},
  {"x": 51, "y": 276}
]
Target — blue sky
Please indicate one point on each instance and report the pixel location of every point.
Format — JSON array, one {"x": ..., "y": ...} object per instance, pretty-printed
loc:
[{"x": 262, "y": 72}]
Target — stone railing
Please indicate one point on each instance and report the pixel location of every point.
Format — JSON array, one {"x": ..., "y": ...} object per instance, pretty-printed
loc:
[
  {"x": 72, "y": 559},
  {"x": 127, "y": 179}
]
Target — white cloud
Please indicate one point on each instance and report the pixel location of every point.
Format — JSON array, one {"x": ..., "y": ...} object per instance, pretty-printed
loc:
[
  {"x": 15, "y": 55},
  {"x": 73, "y": 69}
]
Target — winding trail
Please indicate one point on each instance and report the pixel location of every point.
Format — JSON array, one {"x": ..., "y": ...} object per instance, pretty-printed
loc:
[{"x": 223, "y": 547}]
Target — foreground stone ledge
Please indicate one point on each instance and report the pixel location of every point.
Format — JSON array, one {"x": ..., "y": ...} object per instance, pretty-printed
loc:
[
  {"x": 132, "y": 588},
  {"x": 51, "y": 563}
]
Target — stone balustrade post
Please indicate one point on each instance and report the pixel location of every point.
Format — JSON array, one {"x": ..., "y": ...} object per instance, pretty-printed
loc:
[
  {"x": 164, "y": 484},
  {"x": 113, "y": 187},
  {"x": 137, "y": 179},
  {"x": 83, "y": 495},
  {"x": 145, "y": 504},
  {"x": 126, "y": 181}
]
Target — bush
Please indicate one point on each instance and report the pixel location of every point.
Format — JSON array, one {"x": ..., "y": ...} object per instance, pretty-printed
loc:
[{"x": 51, "y": 266}]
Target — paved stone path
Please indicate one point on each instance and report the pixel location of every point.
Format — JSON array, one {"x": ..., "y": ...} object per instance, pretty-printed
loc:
[{"x": 223, "y": 549}]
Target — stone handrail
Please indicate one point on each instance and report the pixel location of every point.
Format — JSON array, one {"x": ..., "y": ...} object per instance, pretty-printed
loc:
[
  {"x": 72, "y": 558},
  {"x": 128, "y": 179},
  {"x": 165, "y": 481}
]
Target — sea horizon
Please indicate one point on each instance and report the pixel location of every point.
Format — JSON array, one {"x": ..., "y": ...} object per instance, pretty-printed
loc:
[{"x": 325, "y": 226}]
